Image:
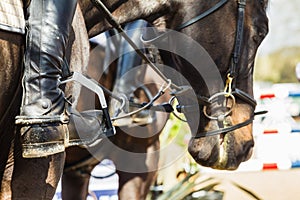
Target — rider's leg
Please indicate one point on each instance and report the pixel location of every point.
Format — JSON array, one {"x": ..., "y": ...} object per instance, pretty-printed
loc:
[{"x": 43, "y": 116}]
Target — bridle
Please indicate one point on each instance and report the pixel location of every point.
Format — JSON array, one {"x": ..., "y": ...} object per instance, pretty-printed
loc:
[{"x": 230, "y": 90}]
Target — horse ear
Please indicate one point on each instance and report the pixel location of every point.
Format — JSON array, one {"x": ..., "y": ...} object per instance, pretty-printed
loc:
[
  {"x": 298, "y": 71},
  {"x": 26, "y": 3}
]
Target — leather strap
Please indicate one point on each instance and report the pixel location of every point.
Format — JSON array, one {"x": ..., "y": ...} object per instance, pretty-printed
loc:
[
  {"x": 201, "y": 16},
  {"x": 238, "y": 38},
  {"x": 230, "y": 128},
  {"x": 185, "y": 24}
]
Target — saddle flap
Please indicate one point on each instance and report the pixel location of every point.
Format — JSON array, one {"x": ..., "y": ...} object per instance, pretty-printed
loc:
[{"x": 12, "y": 16}]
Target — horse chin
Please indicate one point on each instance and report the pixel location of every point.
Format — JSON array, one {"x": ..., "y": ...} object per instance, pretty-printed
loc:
[
  {"x": 220, "y": 151},
  {"x": 229, "y": 158}
]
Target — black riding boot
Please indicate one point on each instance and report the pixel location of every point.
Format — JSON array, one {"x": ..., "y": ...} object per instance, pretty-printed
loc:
[{"x": 43, "y": 115}]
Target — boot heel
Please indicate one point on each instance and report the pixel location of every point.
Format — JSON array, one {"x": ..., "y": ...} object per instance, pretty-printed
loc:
[{"x": 42, "y": 140}]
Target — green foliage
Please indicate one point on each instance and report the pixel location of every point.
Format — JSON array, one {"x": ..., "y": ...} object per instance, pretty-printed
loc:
[
  {"x": 175, "y": 129},
  {"x": 278, "y": 67},
  {"x": 196, "y": 186}
]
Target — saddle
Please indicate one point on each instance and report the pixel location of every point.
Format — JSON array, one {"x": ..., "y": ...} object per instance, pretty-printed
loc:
[{"x": 12, "y": 15}]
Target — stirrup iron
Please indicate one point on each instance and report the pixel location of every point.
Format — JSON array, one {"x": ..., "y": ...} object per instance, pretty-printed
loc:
[{"x": 95, "y": 87}]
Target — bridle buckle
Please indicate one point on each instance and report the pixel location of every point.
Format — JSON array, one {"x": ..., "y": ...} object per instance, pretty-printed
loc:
[{"x": 228, "y": 85}]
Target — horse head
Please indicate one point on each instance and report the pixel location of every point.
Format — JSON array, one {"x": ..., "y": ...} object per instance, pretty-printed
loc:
[{"x": 230, "y": 32}]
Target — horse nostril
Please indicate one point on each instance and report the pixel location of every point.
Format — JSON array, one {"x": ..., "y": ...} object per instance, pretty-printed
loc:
[{"x": 247, "y": 147}]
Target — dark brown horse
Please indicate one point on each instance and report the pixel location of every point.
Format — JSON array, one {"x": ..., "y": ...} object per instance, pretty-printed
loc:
[{"x": 229, "y": 138}]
